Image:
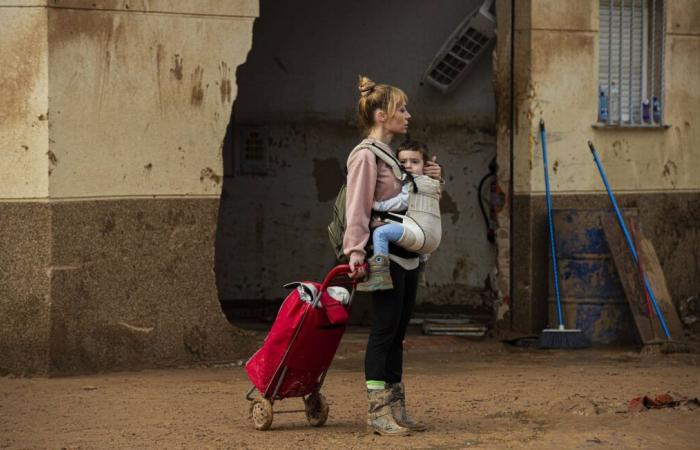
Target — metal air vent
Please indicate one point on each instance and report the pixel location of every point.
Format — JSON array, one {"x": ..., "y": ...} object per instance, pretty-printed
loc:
[{"x": 466, "y": 44}]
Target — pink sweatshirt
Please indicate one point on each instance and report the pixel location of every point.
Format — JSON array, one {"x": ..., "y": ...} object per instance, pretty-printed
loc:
[{"x": 369, "y": 179}]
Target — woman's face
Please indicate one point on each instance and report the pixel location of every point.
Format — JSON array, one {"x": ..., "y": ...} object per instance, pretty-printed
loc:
[{"x": 398, "y": 124}]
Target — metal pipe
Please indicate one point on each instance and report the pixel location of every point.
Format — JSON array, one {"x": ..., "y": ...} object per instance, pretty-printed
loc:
[
  {"x": 619, "y": 67},
  {"x": 653, "y": 66},
  {"x": 629, "y": 86},
  {"x": 609, "y": 93},
  {"x": 662, "y": 52}
]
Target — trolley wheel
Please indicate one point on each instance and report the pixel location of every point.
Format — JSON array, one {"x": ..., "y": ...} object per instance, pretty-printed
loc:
[
  {"x": 261, "y": 413},
  {"x": 316, "y": 408}
]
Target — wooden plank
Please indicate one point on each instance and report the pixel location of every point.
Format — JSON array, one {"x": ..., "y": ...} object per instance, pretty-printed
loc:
[
  {"x": 629, "y": 276},
  {"x": 656, "y": 278}
]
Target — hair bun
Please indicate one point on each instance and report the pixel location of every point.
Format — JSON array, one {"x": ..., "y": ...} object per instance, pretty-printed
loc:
[{"x": 366, "y": 86}]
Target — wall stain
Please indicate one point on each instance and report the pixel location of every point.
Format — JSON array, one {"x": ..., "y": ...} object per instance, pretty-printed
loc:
[
  {"x": 108, "y": 225},
  {"x": 197, "y": 90},
  {"x": 18, "y": 79},
  {"x": 53, "y": 161},
  {"x": 176, "y": 70},
  {"x": 328, "y": 176},
  {"x": 225, "y": 86},
  {"x": 159, "y": 58},
  {"x": 209, "y": 174},
  {"x": 448, "y": 206}
]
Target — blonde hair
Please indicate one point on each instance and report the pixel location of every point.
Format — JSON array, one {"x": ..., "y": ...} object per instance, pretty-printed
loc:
[{"x": 377, "y": 96}]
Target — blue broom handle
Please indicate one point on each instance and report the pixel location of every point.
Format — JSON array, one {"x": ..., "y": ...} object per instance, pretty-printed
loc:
[
  {"x": 543, "y": 138},
  {"x": 630, "y": 244}
]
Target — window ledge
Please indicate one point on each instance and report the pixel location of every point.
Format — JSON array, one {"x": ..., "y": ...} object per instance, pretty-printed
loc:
[{"x": 642, "y": 126}]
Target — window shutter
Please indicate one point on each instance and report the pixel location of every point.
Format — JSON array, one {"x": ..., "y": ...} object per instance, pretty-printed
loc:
[{"x": 621, "y": 54}]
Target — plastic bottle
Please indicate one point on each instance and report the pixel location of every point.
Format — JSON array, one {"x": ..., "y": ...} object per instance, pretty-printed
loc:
[
  {"x": 646, "y": 111},
  {"x": 656, "y": 109},
  {"x": 602, "y": 105},
  {"x": 614, "y": 103}
]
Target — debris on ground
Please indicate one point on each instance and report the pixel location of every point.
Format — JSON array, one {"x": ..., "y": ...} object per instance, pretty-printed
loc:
[{"x": 645, "y": 402}]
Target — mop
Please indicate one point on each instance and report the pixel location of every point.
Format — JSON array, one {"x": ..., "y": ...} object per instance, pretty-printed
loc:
[{"x": 559, "y": 337}]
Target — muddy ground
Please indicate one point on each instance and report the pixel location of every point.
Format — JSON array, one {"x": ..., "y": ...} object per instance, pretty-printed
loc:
[{"x": 480, "y": 394}]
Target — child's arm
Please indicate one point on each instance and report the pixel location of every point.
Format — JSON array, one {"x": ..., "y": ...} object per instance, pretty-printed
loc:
[{"x": 393, "y": 204}]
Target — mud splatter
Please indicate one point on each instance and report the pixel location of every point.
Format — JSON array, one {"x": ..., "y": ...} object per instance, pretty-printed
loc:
[
  {"x": 225, "y": 85},
  {"x": 448, "y": 206},
  {"x": 53, "y": 161},
  {"x": 197, "y": 90},
  {"x": 176, "y": 70},
  {"x": 209, "y": 174}
]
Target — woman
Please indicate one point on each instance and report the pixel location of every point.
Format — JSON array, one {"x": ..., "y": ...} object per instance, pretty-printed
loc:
[{"x": 383, "y": 115}]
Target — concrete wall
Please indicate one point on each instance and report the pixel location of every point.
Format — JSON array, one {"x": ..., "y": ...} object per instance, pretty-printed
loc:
[
  {"x": 300, "y": 82},
  {"x": 116, "y": 116},
  {"x": 652, "y": 169}
]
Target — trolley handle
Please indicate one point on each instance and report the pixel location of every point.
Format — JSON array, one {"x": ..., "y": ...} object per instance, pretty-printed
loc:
[{"x": 334, "y": 272}]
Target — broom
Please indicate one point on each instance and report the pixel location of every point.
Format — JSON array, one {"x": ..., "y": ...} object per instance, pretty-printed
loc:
[{"x": 559, "y": 337}]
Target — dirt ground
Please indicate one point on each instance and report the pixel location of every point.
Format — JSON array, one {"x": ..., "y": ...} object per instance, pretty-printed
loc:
[{"x": 480, "y": 394}]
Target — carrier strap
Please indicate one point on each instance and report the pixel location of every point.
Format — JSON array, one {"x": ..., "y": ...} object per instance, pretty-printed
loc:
[{"x": 388, "y": 158}]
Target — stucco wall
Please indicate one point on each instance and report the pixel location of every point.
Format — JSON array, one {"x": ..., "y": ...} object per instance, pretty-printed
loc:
[
  {"x": 24, "y": 83},
  {"x": 564, "y": 79},
  {"x": 119, "y": 111},
  {"x": 654, "y": 170}
]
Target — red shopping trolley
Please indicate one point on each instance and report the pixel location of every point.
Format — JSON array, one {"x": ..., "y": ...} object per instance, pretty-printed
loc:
[{"x": 300, "y": 347}]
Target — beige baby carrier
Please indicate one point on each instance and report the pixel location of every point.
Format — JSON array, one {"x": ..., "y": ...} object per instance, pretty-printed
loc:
[{"x": 422, "y": 222}]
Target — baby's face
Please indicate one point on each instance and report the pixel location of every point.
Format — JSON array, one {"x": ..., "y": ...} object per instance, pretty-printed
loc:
[{"x": 412, "y": 161}]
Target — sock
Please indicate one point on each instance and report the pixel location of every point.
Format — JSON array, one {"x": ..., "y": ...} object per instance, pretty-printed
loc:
[{"x": 375, "y": 385}]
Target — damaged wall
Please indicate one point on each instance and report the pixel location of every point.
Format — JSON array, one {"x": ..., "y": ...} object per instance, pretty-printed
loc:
[
  {"x": 654, "y": 170},
  {"x": 115, "y": 161},
  {"x": 300, "y": 84}
]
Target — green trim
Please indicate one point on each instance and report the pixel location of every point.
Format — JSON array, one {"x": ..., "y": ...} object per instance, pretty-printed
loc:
[{"x": 376, "y": 384}]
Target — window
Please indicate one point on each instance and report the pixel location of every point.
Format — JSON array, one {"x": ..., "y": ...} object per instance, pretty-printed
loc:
[
  {"x": 630, "y": 64},
  {"x": 252, "y": 150}
]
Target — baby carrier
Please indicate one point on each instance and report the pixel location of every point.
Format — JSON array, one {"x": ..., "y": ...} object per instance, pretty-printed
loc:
[{"x": 422, "y": 222}]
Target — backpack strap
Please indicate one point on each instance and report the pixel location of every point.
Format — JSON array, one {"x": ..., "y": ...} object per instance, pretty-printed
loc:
[{"x": 388, "y": 158}]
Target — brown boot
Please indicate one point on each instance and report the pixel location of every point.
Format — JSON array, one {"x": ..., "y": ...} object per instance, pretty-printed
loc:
[
  {"x": 379, "y": 417},
  {"x": 379, "y": 276},
  {"x": 398, "y": 408}
]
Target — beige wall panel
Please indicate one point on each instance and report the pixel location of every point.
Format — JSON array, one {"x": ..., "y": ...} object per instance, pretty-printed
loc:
[
  {"x": 140, "y": 102},
  {"x": 564, "y": 70},
  {"x": 565, "y": 14},
  {"x": 683, "y": 17},
  {"x": 234, "y": 8},
  {"x": 23, "y": 103}
]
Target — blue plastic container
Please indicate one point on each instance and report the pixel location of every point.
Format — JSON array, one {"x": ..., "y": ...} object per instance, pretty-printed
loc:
[{"x": 592, "y": 296}]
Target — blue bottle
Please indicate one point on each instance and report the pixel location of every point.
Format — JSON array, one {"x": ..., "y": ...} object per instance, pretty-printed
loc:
[
  {"x": 602, "y": 106},
  {"x": 646, "y": 111},
  {"x": 656, "y": 110}
]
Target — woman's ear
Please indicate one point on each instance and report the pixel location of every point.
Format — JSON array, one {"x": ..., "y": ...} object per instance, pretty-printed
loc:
[{"x": 379, "y": 116}]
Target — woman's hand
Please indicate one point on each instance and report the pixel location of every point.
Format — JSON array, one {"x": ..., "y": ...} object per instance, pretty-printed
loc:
[
  {"x": 433, "y": 169},
  {"x": 357, "y": 269}
]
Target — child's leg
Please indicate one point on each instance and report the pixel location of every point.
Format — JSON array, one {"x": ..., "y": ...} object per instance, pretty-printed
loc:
[
  {"x": 384, "y": 234},
  {"x": 379, "y": 275}
]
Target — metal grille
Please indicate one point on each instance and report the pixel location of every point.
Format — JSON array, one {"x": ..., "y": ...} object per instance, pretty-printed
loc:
[
  {"x": 631, "y": 56},
  {"x": 463, "y": 47},
  {"x": 253, "y": 150}
]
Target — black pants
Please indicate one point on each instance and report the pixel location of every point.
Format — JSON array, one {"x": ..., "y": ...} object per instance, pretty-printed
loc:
[{"x": 392, "y": 311}]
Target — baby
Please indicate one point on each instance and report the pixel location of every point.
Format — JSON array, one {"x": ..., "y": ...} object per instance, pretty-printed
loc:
[{"x": 412, "y": 155}]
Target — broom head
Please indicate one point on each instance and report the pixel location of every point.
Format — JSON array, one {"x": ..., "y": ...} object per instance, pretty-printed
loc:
[{"x": 562, "y": 338}]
